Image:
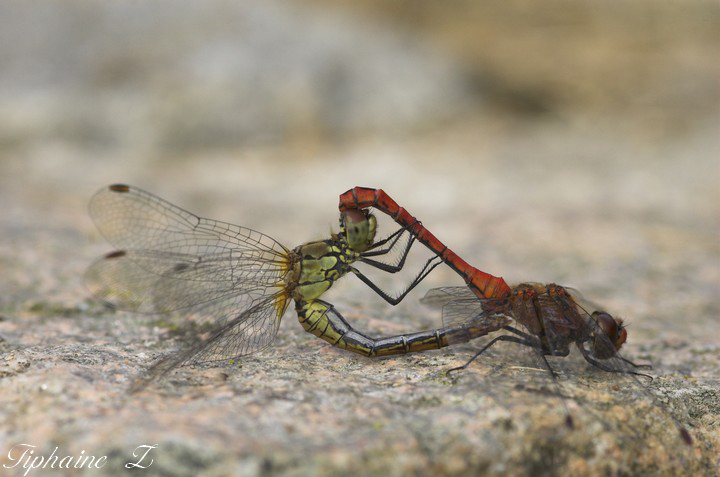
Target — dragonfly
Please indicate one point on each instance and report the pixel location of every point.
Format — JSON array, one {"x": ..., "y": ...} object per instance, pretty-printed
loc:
[
  {"x": 548, "y": 318},
  {"x": 240, "y": 281}
]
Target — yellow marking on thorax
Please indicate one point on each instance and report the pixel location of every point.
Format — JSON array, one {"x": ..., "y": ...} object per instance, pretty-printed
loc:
[{"x": 291, "y": 268}]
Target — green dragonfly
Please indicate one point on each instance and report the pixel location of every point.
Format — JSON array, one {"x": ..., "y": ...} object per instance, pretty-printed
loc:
[{"x": 240, "y": 281}]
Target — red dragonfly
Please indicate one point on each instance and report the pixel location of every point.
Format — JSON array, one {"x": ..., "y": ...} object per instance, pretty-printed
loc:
[{"x": 553, "y": 317}]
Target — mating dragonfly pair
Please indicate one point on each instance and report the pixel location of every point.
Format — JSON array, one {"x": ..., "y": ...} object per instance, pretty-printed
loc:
[{"x": 241, "y": 282}]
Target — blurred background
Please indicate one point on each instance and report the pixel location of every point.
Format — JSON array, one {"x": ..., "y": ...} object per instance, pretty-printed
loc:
[
  {"x": 507, "y": 127},
  {"x": 574, "y": 142},
  {"x": 490, "y": 118}
]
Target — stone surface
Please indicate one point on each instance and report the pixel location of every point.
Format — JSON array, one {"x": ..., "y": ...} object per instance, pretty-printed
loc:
[{"x": 604, "y": 204}]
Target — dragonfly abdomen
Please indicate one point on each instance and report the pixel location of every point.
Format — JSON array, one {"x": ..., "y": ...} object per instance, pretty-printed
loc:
[{"x": 322, "y": 320}]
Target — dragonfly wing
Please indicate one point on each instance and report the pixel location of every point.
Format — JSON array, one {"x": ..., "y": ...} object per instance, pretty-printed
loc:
[
  {"x": 439, "y": 297},
  {"x": 148, "y": 281},
  {"x": 173, "y": 260},
  {"x": 458, "y": 312},
  {"x": 244, "y": 334},
  {"x": 132, "y": 219},
  {"x": 459, "y": 305},
  {"x": 465, "y": 313},
  {"x": 559, "y": 321}
]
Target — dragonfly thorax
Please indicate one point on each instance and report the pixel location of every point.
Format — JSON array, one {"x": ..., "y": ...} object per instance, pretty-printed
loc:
[
  {"x": 320, "y": 264},
  {"x": 552, "y": 315}
]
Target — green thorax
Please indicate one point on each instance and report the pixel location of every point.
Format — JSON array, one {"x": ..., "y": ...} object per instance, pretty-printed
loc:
[{"x": 320, "y": 264}]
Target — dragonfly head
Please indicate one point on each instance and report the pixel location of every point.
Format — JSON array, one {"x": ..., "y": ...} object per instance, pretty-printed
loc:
[
  {"x": 610, "y": 337},
  {"x": 359, "y": 227}
]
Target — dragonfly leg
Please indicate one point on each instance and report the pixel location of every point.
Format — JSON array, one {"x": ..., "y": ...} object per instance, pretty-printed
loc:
[
  {"x": 393, "y": 238},
  {"x": 424, "y": 272},
  {"x": 375, "y": 249},
  {"x": 510, "y": 338},
  {"x": 588, "y": 357},
  {"x": 638, "y": 366},
  {"x": 387, "y": 267},
  {"x": 374, "y": 253},
  {"x": 537, "y": 344},
  {"x": 568, "y": 417},
  {"x": 524, "y": 335},
  {"x": 427, "y": 268},
  {"x": 549, "y": 368}
]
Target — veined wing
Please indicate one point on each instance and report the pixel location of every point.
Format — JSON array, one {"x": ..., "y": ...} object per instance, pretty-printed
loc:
[
  {"x": 587, "y": 306},
  {"x": 243, "y": 334},
  {"x": 150, "y": 281},
  {"x": 132, "y": 219},
  {"x": 173, "y": 260},
  {"x": 439, "y": 297},
  {"x": 462, "y": 309}
]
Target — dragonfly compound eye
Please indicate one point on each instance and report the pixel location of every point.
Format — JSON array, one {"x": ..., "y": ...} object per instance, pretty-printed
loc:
[
  {"x": 359, "y": 229},
  {"x": 612, "y": 336}
]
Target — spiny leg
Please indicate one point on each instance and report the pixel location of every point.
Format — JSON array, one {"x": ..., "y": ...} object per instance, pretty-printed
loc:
[
  {"x": 684, "y": 434},
  {"x": 392, "y": 240},
  {"x": 510, "y": 338},
  {"x": 523, "y": 335},
  {"x": 568, "y": 417},
  {"x": 427, "y": 268},
  {"x": 537, "y": 344},
  {"x": 638, "y": 366},
  {"x": 394, "y": 237},
  {"x": 588, "y": 357},
  {"x": 424, "y": 272},
  {"x": 387, "y": 267}
]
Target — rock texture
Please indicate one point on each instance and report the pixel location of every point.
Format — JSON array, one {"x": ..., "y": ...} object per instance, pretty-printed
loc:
[{"x": 585, "y": 199}]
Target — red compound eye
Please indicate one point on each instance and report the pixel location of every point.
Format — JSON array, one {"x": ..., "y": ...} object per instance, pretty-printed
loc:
[
  {"x": 607, "y": 324},
  {"x": 354, "y": 216},
  {"x": 612, "y": 335}
]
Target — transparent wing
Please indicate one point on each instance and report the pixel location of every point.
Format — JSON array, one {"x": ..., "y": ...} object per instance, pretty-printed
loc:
[
  {"x": 439, "y": 297},
  {"x": 148, "y": 281},
  {"x": 243, "y": 334},
  {"x": 230, "y": 277},
  {"x": 464, "y": 311},
  {"x": 173, "y": 260},
  {"x": 587, "y": 305},
  {"x": 132, "y": 219}
]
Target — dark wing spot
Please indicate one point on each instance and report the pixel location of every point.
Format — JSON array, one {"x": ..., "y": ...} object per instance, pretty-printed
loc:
[
  {"x": 116, "y": 254},
  {"x": 119, "y": 188},
  {"x": 181, "y": 267}
]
